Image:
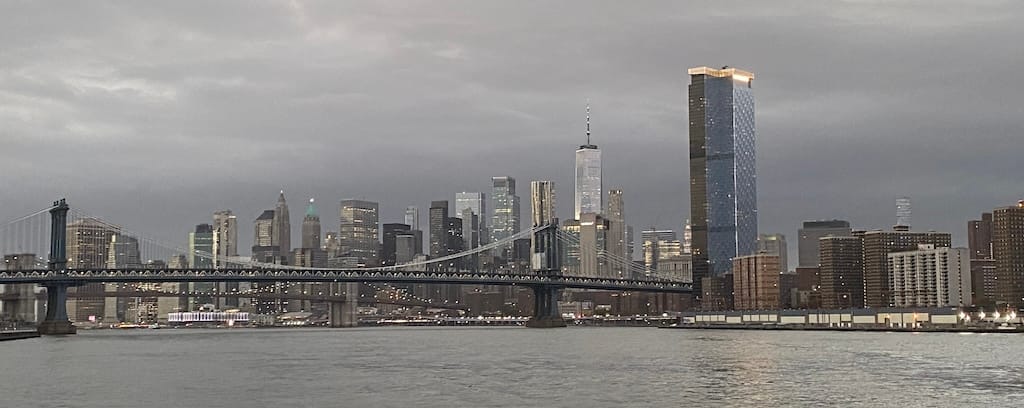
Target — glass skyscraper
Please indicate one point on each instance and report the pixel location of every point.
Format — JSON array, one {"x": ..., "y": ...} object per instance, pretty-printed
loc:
[
  {"x": 723, "y": 183},
  {"x": 505, "y": 204},
  {"x": 589, "y": 189}
]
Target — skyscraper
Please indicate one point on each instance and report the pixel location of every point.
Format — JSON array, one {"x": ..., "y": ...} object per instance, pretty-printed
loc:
[
  {"x": 264, "y": 248},
  {"x": 438, "y": 219},
  {"x": 311, "y": 227},
  {"x": 979, "y": 237},
  {"x": 282, "y": 229},
  {"x": 1008, "y": 250},
  {"x": 589, "y": 189},
  {"x": 812, "y": 231},
  {"x": 225, "y": 246},
  {"x": 200, "y": 247},
  {"x": 358, "y": 235},
  {"x": 88, "y": 242},
  {"x": 476, "y": 203},
  {"x": 774, "y": 244},
  {"x": 542, "y": 203},
  {"x": 412, "y": 217},
  {"x": 723, "y": 185},
  {"x": 225, "y": 236},
  {"x": 505, "y": 221},
  {"x": 389, "y": 243},
  {"x": 841, "y": 275},
  {"x": 983, "y": 267},
  {"x": 877, "y": 247},
  {"x": 616, "y": 215},
  {"x": 903, "y": 212}
]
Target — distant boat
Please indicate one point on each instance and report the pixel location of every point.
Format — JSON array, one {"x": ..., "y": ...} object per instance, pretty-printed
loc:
[
  {"x": 154, "y": 326},
  {"x": 129, "y": 326}
]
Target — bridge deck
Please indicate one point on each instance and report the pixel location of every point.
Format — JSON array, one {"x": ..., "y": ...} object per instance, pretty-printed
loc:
[{"x": 339, "y": 275}]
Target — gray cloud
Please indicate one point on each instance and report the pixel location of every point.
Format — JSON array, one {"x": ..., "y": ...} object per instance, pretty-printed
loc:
[{"x": 155, "y": 115}]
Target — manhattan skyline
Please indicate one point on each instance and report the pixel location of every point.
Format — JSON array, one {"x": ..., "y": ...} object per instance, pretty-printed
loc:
[{"x": 182, "y": 116}]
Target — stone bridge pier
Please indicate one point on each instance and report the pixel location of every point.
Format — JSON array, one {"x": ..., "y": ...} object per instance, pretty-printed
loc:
[{"x": 345, "y": 313}]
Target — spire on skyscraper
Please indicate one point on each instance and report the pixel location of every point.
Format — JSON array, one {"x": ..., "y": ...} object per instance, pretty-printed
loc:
[
  {"x": 311, "y": 209},
  {"x": 588, "y": 121}
]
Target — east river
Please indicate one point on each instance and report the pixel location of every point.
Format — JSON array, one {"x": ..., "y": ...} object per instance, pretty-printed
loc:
[{"x": 509, "y": 367}]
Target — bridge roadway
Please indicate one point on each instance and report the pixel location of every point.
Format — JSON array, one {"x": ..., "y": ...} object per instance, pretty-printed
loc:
[
  {"x": 254, "y": 295},
  {"x": 541, "y": 279}
]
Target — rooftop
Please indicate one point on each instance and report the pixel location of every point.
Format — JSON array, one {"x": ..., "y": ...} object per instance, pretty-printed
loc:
[{"x": 724, "y": 72}]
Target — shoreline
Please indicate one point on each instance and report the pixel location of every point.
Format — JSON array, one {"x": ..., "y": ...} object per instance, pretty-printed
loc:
[
  {"x": 725, "y": 326},
  {"x": 18, "y": 335}
]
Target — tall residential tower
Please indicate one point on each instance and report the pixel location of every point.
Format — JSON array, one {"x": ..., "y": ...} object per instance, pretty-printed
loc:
[{"x": 723, "y": 183}]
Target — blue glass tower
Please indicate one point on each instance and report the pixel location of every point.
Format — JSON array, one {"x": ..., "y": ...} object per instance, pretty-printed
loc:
[{"x": 723, "y": 180}]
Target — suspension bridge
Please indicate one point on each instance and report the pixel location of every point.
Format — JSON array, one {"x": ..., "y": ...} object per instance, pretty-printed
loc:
[{"x": 49, "y": 228}]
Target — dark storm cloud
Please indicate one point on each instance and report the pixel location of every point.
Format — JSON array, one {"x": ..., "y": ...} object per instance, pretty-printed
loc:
[{"x": 132, "y": 110}]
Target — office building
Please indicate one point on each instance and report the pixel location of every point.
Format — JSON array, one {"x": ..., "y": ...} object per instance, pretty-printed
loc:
[
  {"x": 225, "y": 236},
  {"x": 593, "y": 243},
  {"x": 616, "y": 215},
  {"x": 88, "y": 242},
  {"x": 774, "y": 244},
  {"x": 358, "y": 235},
  {"x": 841, "y": 275},
  {"x": 412, "y": 217},
  {"x": 200, "y": 247},
  {"x": 589, "y": 188},
  {"x": 812, "y": 231},
  {"x": 1008, "y": 251},
  {"x": 930, "y": 277},
  {"x": 477, "y": 204},
  {"x": 979, "y": 237},
  {"x": 505, "y": 220},
  {"x": 723, "y": 187},
  {"x": 438, "y": 223},
  {"x": 389, "y": 242},
  {"x": 407, "y": 246},
  {"x": 282, "y": 229},
  {"x": 23, "y": 304},
  {"x": 756, "y": 282},
  {"x": 263, "y": 248},
  {"x": 903, "y": 212},
  {"x": 311, "y": 227}
]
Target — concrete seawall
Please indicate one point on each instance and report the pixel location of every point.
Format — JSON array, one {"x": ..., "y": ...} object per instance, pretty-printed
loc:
[{"x": 18, "y": 335}]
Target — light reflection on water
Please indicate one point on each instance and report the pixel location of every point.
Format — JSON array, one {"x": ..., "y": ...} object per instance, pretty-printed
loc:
[{"x": 509, "y": 367}]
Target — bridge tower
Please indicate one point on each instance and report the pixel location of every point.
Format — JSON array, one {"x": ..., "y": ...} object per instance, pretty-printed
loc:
[
  {"x": 546, "y": 261},
  {"x": 344, "y": 313},
  {"x": 56, "y": 321}
]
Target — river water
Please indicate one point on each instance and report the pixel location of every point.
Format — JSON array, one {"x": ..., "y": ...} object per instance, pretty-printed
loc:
[{"x": 509, "y": 367}]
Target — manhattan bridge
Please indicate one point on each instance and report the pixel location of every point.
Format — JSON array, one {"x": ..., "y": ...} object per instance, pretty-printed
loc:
[{"x": 46, "y": 232}]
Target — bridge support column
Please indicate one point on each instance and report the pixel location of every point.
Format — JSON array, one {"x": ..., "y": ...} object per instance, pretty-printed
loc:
[
  {"x": 56, "y": 321},
  {"x": 343, "y": 314},
  {"x": 545, "y": 308}
]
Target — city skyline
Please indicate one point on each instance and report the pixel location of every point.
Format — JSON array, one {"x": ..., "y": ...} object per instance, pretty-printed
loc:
[{"x": 808, "y": 168}]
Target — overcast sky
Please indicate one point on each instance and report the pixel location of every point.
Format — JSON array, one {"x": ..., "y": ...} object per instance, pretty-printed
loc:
[{"x": 153, "y": 115}]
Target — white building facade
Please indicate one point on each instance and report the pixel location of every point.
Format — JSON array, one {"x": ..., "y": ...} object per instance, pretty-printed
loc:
[{"x": 930, "y": 277}]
